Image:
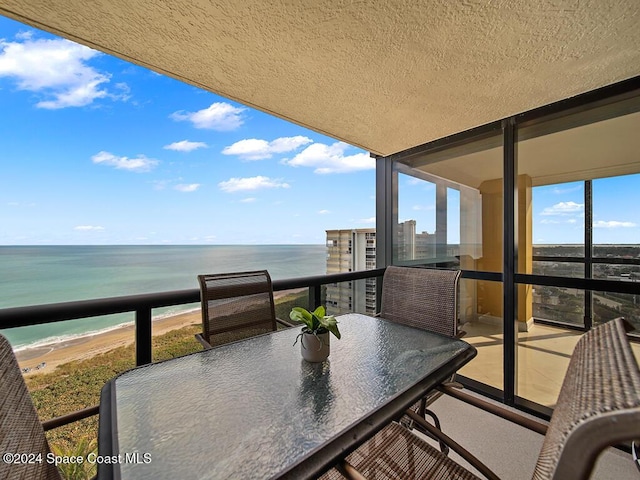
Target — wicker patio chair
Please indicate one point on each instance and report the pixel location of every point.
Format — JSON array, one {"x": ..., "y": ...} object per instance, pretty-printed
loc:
[
  {"x": 598, "y": 406},
  {"x": 423, "y": 298},
  {"x": 20, "y": 427},
  {"x": 236, "y": 302}
]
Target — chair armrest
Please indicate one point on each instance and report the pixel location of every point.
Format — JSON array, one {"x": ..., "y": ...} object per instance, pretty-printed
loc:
[
  {"x": 284, "y": 322},
  {"x": 70, "y": 417},
  {"x": 204, "y": 343},
  {"x": 502, "y": 412},
  {"x": 349, "y": 471}
]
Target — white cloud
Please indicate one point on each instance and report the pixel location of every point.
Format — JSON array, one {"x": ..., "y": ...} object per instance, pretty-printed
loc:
[
  {"x": 370, "y": 220},
  {"x": 190, "y": 187},
  {"x": 185, "y": 146},
  {"x": 564, "y": 208},
  {"x": 56, "y": 68},
  {"x": 218, "y": 116},
  {"x": 160, "y": 184},
  {"x": 331, "y": 159},
  {"x": 255, "y": 149},
  {"x": 562, "y": 191},
  {"x": 613, "y": 224},
  {"x": 251, "y": 183},
  {"x": 88, "y": 228},
  {"x": 324, "y": 212},
  {"x": 248, "y": 200},
  {"x": 138, "y": 164},
  {"x": 24, "y": 35},
  {"x": 424, "y": 207}
]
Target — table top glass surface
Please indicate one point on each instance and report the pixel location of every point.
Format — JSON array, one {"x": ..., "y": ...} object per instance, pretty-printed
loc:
[{"x": 252, "y": 408}]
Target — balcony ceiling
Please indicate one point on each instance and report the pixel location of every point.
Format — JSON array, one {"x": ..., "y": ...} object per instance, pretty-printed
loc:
[{"x": 384, "y": 76}]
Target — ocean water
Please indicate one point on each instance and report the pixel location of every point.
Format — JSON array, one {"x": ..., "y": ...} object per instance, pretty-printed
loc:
[{"x": 34, "y": 275}]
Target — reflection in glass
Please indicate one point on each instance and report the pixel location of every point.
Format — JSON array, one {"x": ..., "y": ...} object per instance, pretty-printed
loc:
[
  {"x": 484, "y": 330},
  {"x": 560, "y": 304},
  {"x": 357, "y": 296},
  {"x": 559, "y": 269},
  {"x": 544, "y": 351},
  {"x": 448, "y": 207}
]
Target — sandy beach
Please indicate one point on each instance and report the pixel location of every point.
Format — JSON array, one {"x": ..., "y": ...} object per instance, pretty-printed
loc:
[
  {"x": 86, "y": 347},
  {"x": 80, "y": 348}
]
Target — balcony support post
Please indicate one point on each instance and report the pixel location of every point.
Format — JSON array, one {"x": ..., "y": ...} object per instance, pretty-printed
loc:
[
  {"x": 315, "y": 297},
  {"x": 143, "y": 336}
]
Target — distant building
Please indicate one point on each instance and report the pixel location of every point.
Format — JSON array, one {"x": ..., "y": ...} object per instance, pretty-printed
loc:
[
  {"x": 349, "y": 251},
  {"x": 412, "y": 245}
]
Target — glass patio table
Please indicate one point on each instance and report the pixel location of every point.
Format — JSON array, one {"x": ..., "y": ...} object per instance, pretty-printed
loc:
[{"x": 256, "y": 409}]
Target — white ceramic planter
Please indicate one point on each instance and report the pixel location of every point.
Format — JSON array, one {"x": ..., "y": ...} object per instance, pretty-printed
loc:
[{"x": 315, "y": 348}]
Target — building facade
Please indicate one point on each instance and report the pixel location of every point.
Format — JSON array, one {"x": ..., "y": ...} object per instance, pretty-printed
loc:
[{"x": 351, "y": 250}]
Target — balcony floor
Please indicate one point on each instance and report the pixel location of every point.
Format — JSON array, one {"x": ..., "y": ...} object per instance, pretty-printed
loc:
[{"x": 543, "y": 357}]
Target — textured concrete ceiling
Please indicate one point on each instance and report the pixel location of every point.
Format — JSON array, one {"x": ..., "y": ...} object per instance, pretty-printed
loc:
[{"x": 385, "y": 75}]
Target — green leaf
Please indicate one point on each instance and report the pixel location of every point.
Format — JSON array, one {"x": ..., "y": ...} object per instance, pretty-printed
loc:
[
  {"x": 299, "y": 314},
  {"x": 315, "y": 320},
  {"x": 331, "y": 324}
]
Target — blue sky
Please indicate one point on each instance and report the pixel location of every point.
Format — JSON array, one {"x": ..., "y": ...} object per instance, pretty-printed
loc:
[
  {"x": 95, "y": 150},
  {"x": 99, "y": 151},
  {"x": 558, "y": 211}
]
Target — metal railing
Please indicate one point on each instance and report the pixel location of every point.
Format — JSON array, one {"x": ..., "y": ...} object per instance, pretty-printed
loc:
[{"x": 143, "y": 305}]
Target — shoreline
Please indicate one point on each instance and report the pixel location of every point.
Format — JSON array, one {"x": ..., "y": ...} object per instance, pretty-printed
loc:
[
  {"x": 81, "y": 348},
  {"x": 45, "y": 358}
]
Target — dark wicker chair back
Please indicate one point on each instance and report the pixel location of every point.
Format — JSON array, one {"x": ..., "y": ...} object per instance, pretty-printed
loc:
[
  {"x": 20, "y": 427},
  {"x": 421, "y": 297},
  {"x": 236, "y": 301},
  {"x": 598, "y": 405}
]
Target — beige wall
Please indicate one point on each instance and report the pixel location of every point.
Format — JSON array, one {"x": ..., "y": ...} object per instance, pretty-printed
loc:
[{"x": 490, "y": 294}]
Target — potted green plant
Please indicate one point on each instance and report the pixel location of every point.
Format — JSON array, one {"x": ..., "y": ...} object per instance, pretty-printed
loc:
[{"x": 314, "y": 337}]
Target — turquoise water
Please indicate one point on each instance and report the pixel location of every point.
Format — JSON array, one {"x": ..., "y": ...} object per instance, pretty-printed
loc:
[{"x": 33, "y": 275}]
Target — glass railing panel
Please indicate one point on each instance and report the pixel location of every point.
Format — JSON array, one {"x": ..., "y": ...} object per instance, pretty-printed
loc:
[
  {"x": 558, "y": 269},
  {"x": 448, "y": 207},
  {"x": 610, "y": 305},
  {"x": 173, "y": 331},
  {"x": 66, "y": 374},
  {"x": 355, "y": 296},
  {"x": 480, "y": 313},
  {"x": 543, "y": 351},
  {"x": 559, "y": 304}
]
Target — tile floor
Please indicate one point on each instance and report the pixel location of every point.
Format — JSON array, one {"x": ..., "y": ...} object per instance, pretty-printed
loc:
[{"x": 543, "y": 357}]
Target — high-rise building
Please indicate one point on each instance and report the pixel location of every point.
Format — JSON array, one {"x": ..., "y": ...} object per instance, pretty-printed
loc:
[
  {"x": 347, "y": 251},
  {"x": 355, "y": 249}
]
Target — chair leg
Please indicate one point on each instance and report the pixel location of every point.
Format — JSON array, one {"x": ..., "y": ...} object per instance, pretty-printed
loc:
[
  {"x": 443, "y": 446},
  {"x": 455, "y": 446},
  {"x": 423, "y": 411},
  {"x": 436, "y": 421}
]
